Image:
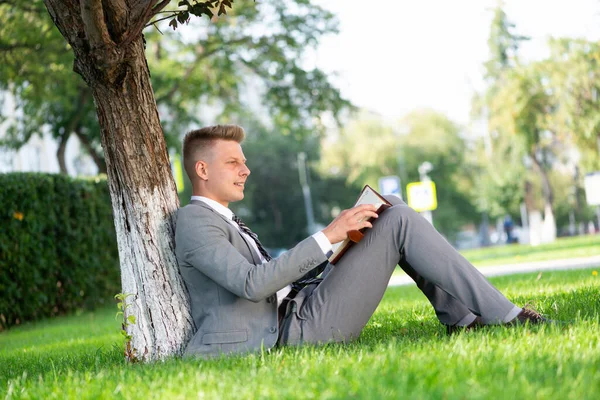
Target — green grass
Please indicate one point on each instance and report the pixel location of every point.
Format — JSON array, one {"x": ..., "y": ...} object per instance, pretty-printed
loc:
[
  {"x": 403, "y": 353},
  {"x": 562, "y": 248}
]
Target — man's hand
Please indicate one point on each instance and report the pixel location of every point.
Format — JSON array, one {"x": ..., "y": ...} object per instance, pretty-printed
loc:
[{"x": 349, "y": 220}]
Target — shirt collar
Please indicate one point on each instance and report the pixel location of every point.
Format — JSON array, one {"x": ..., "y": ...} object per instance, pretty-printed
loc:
[{"x": 220, "y": 208}]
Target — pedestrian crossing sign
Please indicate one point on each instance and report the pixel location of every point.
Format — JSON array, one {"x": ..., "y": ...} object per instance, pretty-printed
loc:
[{"x": 422, "y": 196}]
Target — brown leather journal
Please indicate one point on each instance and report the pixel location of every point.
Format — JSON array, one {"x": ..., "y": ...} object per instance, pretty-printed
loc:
[{"x": 367, "y": 196}]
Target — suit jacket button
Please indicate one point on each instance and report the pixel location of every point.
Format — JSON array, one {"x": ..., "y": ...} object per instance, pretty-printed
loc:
[{"x": 272, "y": 329}]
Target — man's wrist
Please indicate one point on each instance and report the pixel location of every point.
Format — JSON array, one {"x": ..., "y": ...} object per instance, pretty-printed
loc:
[{"x": 323, "y": 243}]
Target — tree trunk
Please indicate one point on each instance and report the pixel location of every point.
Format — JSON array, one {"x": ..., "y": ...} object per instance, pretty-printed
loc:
[
  {"x": 97, "y": 158},
  {"x": 142, "y": 189},
  {"x": 60, "y": 153},
  {"x": 546, "y": 187},
  {"x": 144, "y": 201},
  {"x": 549, "y": 225}
]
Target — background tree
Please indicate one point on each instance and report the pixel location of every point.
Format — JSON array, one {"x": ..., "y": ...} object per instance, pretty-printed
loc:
[
  {"x": 367, "y": 149},
  {"x": 521, "y": 108},
  {"x": 503, "y": 45},
  {"x": 499, "y": 188},
  {"x": 534, "y": 112},
  {"x": 573, "y": 68},
  {"x": 431, "y": 136},
  {"x": 36, "y": 72},
  {"x": 215, "y": 63},
  {"x": 498, "y": 179},
  {"x": 574, "y": 73}
]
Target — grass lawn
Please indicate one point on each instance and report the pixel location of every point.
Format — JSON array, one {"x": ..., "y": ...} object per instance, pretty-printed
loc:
[
  {"x": 403, "y": 353},
  {"x": 562, "y": 248}
]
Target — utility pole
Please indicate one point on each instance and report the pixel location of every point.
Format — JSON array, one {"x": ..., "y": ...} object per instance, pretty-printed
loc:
[
  {"x": 424, "y": 169},
  {"x": 302, "y": 174}
]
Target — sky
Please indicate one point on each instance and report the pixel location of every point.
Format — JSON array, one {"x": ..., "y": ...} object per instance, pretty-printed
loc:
[{"x": 394, "y": 56}]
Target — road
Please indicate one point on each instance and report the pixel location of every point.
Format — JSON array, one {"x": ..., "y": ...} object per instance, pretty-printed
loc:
[{"x": 497, "y": 270}]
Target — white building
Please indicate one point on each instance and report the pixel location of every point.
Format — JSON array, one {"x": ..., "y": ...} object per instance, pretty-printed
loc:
[{"x": 39, "y": 154}]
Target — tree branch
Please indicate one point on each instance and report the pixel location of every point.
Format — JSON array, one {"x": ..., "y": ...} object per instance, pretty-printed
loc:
[
  {"x": 96, "y": 156},
  {"x": 117, "y": 13},
  {"x": 152, "y": 8},
  {"x": 195, "y": 65},
  {"x": 96, "y": 31},
  {"x": 161, "y": 19}
]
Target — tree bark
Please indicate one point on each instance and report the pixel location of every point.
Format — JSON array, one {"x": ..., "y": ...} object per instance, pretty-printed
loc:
[{"x": 143, "y": 194}]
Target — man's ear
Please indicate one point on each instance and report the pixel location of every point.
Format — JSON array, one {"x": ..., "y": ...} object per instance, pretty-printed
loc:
[{"x": 202, "y": 170}]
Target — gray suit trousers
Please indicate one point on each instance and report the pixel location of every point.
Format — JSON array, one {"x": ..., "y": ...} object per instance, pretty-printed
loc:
[{"x": 339, "y": 307}]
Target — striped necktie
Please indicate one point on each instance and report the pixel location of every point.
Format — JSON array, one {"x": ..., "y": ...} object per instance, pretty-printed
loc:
[{"x": 253, "y": 235}]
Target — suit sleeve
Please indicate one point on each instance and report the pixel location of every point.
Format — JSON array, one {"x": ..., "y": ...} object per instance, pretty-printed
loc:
[{"x": 212, "y": 253}]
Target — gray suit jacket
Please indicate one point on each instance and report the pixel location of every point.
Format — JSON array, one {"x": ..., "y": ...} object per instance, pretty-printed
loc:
[{"x": 232, "y": 294}]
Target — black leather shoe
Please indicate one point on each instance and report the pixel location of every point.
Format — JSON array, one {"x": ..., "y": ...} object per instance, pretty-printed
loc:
[
  {"x": 452, "y": 329},
  {"x": 529, "y": 316}
]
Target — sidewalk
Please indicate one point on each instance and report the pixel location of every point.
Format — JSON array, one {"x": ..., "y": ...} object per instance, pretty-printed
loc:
[{"x": 497, "y": 270}]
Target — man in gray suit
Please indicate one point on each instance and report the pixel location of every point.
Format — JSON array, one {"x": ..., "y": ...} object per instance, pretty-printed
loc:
[{"x": 236, "y": 288}]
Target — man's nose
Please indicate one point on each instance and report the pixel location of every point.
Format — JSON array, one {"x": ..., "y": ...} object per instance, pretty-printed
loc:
[{"x": 245, "y": 170}]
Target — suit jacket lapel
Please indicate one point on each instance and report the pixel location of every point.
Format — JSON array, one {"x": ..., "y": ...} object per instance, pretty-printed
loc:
[{"x": 255, "y": 256}]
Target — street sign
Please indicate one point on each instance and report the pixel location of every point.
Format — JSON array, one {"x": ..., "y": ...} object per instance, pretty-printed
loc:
[
  {"x": 421, "y": 196},
  {"x": 177, "y": 172},
  {"x": 390, "y": 185},
  {"x": 592, "y": 188}
]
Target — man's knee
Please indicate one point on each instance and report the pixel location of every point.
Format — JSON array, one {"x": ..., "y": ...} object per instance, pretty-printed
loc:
[
  {"x": 393, "y": 199},
  {"x": 400, "y": 211}
]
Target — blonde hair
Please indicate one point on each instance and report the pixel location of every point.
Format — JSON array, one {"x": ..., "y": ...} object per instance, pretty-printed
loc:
[{"x": 196, "y": 142}]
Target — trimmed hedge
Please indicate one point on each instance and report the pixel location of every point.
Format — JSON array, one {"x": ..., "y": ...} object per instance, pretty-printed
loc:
[{"x": 58, "y": 250}]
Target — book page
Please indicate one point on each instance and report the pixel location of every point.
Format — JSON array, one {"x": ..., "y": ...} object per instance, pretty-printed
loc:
[{"x": 369, "y": 197}]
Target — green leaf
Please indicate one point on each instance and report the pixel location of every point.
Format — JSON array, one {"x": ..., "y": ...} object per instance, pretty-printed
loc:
[
  {"x": 183, "y": 17},
  {"x": 131, "y": 319}
]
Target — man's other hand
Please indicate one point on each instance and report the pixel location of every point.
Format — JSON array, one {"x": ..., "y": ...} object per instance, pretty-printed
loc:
[{"x": 349, "y": 220}]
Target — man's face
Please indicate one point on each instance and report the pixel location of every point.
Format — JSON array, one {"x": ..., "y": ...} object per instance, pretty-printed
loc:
[{"x": 224, "y": 172}]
